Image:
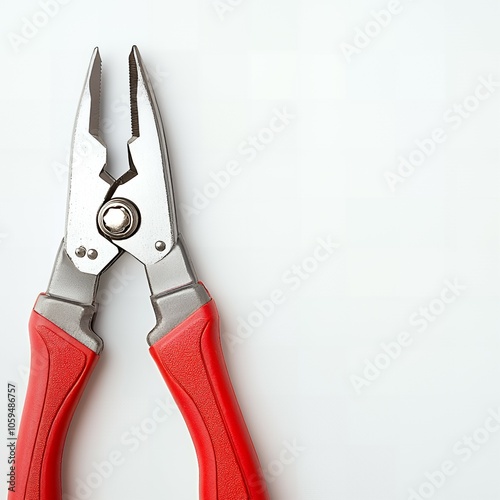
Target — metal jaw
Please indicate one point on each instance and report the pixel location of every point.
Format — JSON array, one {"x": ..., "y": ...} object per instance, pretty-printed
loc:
[
  {"x": 89, "y": 184},
  {"x": 151, "y": 188}
]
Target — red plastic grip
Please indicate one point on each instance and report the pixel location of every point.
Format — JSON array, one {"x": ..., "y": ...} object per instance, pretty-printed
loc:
[
  {"x": 60, "y": 369},
  {"x": 191, "y": 361}
]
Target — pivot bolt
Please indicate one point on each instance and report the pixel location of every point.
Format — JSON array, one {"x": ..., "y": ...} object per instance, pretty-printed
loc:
[{"x": 118, "y": 219}]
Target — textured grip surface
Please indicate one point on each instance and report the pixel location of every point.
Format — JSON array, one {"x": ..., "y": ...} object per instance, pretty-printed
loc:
[
  {"x": 191, "y": 362},
  {"x": 60, "y": 368}
]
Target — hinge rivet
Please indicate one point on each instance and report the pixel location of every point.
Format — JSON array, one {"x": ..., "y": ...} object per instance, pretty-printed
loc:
[
  {"x": 92, "y": 254},
  {"x": 160, "y": 246},
  {"x": 80, "y": 252}
]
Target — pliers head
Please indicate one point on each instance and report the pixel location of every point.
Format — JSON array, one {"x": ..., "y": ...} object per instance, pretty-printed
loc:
[{"x": 134, "y": 213}]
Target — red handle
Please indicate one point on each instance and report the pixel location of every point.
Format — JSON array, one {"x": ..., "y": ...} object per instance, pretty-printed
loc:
[
  {"x": 60, "y": 369},
  {"x": 191, "y": 362}
]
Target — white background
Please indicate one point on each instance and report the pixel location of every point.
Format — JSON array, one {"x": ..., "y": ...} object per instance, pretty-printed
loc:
[{"x": 218, "y": 79}]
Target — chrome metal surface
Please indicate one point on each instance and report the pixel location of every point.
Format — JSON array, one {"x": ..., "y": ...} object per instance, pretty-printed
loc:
[
  {"x": 118, "y": 218},
  {"x": 89, "y": 182},
  {"x": 149, "y": 183}
]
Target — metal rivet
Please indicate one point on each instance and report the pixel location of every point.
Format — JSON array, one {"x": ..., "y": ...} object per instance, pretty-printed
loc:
[
  {"x": 160, "y": 246},
  {"x": 92, "y": 254},
  {"x": 80, "y": 252}
]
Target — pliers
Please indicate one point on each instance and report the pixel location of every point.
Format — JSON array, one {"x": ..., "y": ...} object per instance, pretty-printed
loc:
[{"x": 107, "y": 217}]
